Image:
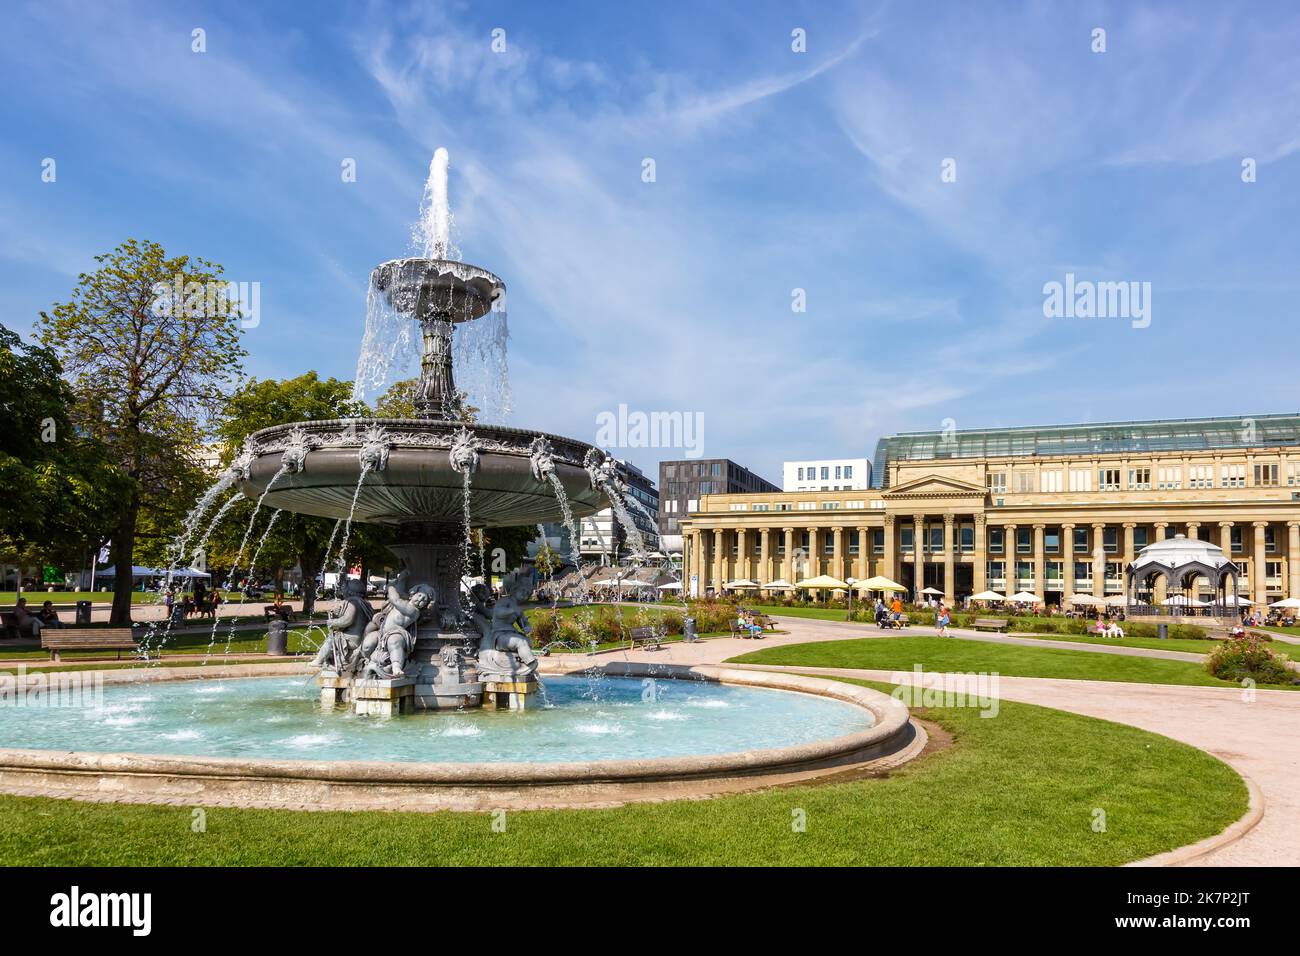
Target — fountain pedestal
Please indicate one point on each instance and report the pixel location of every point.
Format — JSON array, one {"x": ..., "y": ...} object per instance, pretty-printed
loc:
[
  {"x": 511, "y": 694},
  {"x": 335, "y": 688},
  {"x": 383, "y": 698}
]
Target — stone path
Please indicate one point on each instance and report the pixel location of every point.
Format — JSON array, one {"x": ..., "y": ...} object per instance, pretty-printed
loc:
[{"x": 1259, "y": 739}]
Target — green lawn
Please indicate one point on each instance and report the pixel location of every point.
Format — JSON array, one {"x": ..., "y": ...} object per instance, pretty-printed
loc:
[
  {"x": 37, "y": 598},
  {"x": 1009, "y": 660},
  {"x": 971, "y": 804},
  {"x": 1189, "y": 645}
]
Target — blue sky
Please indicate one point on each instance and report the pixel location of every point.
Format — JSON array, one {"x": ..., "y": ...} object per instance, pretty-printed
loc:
[{"x": 775, "y": 171}]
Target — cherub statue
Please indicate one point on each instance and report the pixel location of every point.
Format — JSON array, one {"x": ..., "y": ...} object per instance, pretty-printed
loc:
[
  {"x": 504, "y": 627},
  {"x": 346, "y": 629},
  {"x": 389, "y": 642}
]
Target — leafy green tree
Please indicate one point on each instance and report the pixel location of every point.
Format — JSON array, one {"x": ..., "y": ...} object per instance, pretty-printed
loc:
[
  {"x": 152, "y": 346},
  {"x": 59, "y": 486},
  {"x": 399, "y": 402}
]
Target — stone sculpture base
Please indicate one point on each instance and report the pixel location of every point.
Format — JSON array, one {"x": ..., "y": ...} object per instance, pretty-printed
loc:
[
  {"x": 383, "y": 698},
  {"x": 511, "y": 695},
  {"x": 335, "y": 689}
]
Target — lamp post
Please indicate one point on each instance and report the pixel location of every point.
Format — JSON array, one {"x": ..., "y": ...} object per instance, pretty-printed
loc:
[{"x": 850, "y": 582}]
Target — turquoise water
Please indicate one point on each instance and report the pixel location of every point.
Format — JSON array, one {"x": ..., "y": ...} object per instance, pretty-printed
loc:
[{"x": 609, "y": 718}]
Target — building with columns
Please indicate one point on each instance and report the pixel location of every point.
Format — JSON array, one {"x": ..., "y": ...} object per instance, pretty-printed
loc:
[{"x": 1054, "y": 511}]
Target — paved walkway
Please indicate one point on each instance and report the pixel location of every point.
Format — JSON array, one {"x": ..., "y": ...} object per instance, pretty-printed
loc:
[{"x": 1260, "y": 739}]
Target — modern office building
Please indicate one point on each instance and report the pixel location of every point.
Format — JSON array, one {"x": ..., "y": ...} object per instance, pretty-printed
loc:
[
  {"x": 831, "y": 474},
  {"x": 1054, "y": 511},
  {"x": 682, "y": 484}
]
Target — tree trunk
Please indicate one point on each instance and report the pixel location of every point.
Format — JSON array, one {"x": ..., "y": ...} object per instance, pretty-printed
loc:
[
  {"x": 124, "y": 544},
  {"x": 309, "y": 560}
]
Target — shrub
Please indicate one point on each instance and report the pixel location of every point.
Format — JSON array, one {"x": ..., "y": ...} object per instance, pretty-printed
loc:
[{"x": 1248, "y": 657}]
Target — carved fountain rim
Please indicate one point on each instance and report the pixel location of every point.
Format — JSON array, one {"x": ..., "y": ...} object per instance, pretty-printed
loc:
[{"x": 374, "y": 785}]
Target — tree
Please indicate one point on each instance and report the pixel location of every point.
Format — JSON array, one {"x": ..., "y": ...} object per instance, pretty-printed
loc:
[
  {"x": 152, "y": 345},
  {"x": 59, "y": 486},
  {"x": 261, "y": 404}
]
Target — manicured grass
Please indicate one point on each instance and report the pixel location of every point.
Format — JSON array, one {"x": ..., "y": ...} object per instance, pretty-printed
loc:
[
  {"x": 817, "y": 613},
  {"x": 1191, "y": 646},
  {"x": 1009, "y": 660},
  {"x": 1020, "y": 789},
  {"x": 37, "y": 598}
]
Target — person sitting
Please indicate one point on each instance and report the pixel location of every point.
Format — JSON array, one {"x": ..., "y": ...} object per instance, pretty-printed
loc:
[
  {"x": 48, "y": 616},
  {"x": 755, "y": 629},
  {"x": 1114, "y": 630},
  {"x": 27, "y": 622}
]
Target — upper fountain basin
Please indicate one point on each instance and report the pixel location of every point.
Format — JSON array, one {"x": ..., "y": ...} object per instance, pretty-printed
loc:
[
  {"x": 437, "y": 288},
  {"x": 412, "y": 478}
]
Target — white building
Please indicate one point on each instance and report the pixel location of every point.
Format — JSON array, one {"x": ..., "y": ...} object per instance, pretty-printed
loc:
[{"x": 828, "y": 474}]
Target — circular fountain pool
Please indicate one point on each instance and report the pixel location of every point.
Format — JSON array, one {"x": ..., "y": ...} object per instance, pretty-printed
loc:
[{"x": 612, "y": 718}]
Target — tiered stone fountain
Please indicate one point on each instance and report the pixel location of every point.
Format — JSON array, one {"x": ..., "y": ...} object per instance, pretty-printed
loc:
[{"x": 430, "y": 648}]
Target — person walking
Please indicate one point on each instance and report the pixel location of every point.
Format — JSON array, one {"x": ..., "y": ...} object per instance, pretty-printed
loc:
[{"x": 942, "y": 618}]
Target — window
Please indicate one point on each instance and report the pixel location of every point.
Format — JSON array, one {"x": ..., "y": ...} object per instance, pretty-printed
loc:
[
  {"x": 800, "y": 474},
  {"x": 905, "y": 539},
  {"x": 1265, "y": 475},
  {"x": 996, "y": 570},
  {"x": 853, "y": 543},
  {"x": 1200, "y": 476},
  {"x": 763, "y": 507},
  {"x": 1052, "y": 480},
  {"x": 739, "y": 507},
  {"x": 838, "y": 472},
  {"x": 783, "y": 506},
  {"x": 828, "y": 545},
  {"x": 1080, "y": 540},
  {"x": 1024, "y": 540},
  {"x": 826, "y": 473},
  {"x": 1083, "y": 574},
  {"x": 1110, "y": 540},
  {"x": 693, "y": 504},
  {"x": 997, "y": 538},
  {"x": 1055, "y": 573},
  {"x": 830, "y": 506},
  {"x": 1270, "y": 542},
  {"x": 997, "y": 482},
  {"x": 1141, "y": 537},
  {"x": 1293, "y": 474},
  {"x": 1108, "y": 479},
  {"x": 1170, "y": 478},
  {"x": 1052, "y": 540},
  {"x": 1232, "y": 476},
  {"x": 1081, "y": 479},
  {"x": 855, "y": 504},
  {"x": 936, "y": 538},
  {"x": 967, "y": 538},
  {"x": 848, "y": 471},
  {"x": 1139, "y": 479},
  {"x": 878, "y": 541},
  {"x": 1024, "y": 482},
  {"x": 807, "y": 506},
  {"x": 1235, "y": 537}
]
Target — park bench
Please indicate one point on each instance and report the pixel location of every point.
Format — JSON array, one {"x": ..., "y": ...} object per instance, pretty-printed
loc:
[
  {"x": 117, "y": 639},
  {"x": 643, "y": 637},
  {"x": 989, "y": 624},
  {"x": 269, "y": 611},
  {"x": 9, "y": 626},
  {"x": 766, "y": 623}
]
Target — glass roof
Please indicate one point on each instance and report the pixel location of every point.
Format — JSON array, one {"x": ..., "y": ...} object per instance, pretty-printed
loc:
[{"x": 1182, "y": 434}]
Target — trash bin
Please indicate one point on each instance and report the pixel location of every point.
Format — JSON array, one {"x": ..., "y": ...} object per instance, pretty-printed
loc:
[
  {"x": 83, "y": 612},
  {"x": 277, "y": 638},
  {"x": 1162, "y": 630},
  {"x": 688, "y": 630}
]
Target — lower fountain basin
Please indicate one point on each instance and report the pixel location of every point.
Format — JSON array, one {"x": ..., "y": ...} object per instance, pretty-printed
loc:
[{"x": 416, "y": 481}]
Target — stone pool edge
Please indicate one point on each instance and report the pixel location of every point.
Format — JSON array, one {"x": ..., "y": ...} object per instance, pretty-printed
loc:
[{"x": 374, "y": 785}]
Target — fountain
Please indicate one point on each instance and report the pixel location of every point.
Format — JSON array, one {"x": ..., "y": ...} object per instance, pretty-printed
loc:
[{"x": 428, "y": 648}]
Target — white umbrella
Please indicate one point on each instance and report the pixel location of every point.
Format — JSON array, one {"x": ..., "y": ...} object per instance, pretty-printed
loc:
[
  {"x": 1236, "y": 599},
  {"x": 671, "y": 586},
  {"x": 1182, "y": 600},
  {"x": 1287, "y": 602},
  {"x": 1023, "y": 597},
  {"x": 987, "y": 596},
  {"x": 931, "y": 591},
  {"x": 780, "y": 584},
  {"x": 740, "y": 584},
  {"x": 877, "y": 583},
  {"x": 1116, "y": 600},
  {"x": 1087, "y": 600},
  {"x": 824, "y": 581}
]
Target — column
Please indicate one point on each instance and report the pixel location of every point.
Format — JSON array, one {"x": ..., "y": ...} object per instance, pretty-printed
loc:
[
  {"x": 742, "y": 553},
  {"x": 981, "y": 556},
  {"x": 1067, "y": 564},
  {"x": 889, "y": 560},
  {"x": 1292, "y": 558},
  {"x": 1225, "y": 542},
  {"x": 1009, "y": 583},
  {"x": 1161, "y": 589},
  {"x": 1098, "y": 560},
  {"x": 1258, "y": 589},
  {"x": 837, "y": 562},
  {"x": 814, "y": 558},
  {"x": 764, "y": 555},
  {"x": 719, "y": 561},
  {"x": 1040, "y": 565},
  {"x": 918, "y": 556},
  {"x": 787, "y": 563},
  {"x": 949, "y": 571},
  {"x": 1194, "y": 532},
  {"x": 860, "y": 571}
]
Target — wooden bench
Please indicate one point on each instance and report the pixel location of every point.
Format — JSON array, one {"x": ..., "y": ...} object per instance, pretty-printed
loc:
[
  {"x": 766, "y": 623},
  {"x": 643, "y": 637},
  {"x": 989, "y": 624},
  {"x": 117, "y": 639},
  {"x": 9, "y": 626}
]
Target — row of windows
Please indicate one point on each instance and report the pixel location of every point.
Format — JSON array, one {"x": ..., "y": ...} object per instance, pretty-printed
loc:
[
  {"x": 842, "y": 472},
  {"x": 1167, "y": 478}
]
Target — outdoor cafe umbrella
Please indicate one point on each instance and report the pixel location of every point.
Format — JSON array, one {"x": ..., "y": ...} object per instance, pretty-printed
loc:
[
  {"x": 671, "y": 586},
  {"x": 780, "y": 584},
  {"x": 931, "y": 591},
  {"x": 822, "y": 581},
  {"x": 1182, "y": 600},
  {"x": 987, "y": 596},
  {"x": 1087, "y": 600},
  {"x": 1116, "y": 600},
  {"x": 877, "y": 583},
  {"x": 740, "y": 584},
  {"x": 1023, "y": 597},
  {"x": 1287, "y": 602},
  {"x": 1237, "y": 599}
]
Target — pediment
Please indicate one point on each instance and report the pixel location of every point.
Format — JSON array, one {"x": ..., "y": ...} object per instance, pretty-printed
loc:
[{"x": 935, "y": 486}]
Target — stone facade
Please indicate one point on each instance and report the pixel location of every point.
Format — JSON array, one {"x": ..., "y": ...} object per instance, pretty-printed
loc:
[{"x": 1061, "y": 525}]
